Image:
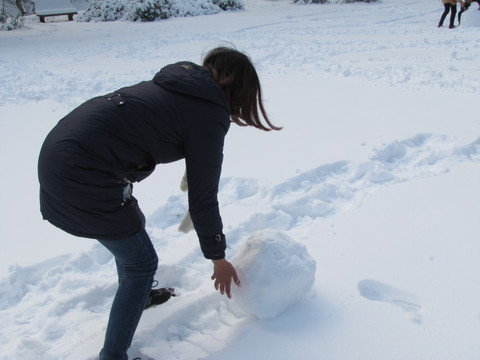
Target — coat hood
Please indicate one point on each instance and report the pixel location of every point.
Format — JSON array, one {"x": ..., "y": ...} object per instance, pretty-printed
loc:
[{"x": 193, "y": 80}]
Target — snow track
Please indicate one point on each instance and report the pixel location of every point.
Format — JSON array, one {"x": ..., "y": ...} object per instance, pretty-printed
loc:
[{"x": 45, "y": 301}]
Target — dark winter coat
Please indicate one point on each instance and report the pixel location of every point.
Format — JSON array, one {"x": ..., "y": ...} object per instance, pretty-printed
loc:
[{"x": 88, "y": 160}]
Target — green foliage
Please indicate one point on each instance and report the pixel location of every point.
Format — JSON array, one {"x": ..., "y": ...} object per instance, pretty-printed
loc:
[
  {"x": 227, "y": 5},
  {"x": 151, "y": 10},
  {"x": 104, "y": 10},
  {"x": 301, "y": 2},
  {"x": 10, "y": 22}
]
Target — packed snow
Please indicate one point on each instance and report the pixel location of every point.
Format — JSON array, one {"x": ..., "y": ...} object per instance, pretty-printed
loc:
[{"x": 354, "y": 229}]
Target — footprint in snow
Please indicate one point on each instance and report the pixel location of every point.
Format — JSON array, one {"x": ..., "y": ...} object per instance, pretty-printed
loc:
[{"x": 377, "y": 291}]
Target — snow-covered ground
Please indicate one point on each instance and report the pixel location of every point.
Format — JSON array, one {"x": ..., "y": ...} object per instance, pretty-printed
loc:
[{"x": 373, "y": 183}]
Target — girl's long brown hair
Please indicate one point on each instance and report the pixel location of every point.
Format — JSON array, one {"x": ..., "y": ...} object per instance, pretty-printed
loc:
[{"x": 234, "y": 72}]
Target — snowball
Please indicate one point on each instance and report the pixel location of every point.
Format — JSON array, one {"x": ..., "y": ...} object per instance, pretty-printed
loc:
[
  {"x": 276, "y": 272},
  {"x": 471, "y": 17}
]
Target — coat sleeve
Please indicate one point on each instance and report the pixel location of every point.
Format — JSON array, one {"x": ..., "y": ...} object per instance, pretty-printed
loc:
[{"x": 204, "y": 156}]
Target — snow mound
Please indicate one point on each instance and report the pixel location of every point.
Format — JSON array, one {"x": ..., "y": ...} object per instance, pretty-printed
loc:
[
  {"x": 471, "y": 17},
  {"x": 276, "y": 272}
]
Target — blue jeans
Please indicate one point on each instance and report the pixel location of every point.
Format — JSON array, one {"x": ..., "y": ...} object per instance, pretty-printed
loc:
[{"x": 136, "y": 262}]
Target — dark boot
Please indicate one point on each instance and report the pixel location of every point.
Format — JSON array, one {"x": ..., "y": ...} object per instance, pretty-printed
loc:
[{"x": 159, "y": 296}]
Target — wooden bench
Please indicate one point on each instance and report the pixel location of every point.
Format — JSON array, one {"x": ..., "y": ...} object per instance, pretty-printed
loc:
[{"x": 44, "y": 8}]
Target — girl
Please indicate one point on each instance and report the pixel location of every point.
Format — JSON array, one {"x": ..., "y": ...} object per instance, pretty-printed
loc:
[{"x": 91, "y": 158}]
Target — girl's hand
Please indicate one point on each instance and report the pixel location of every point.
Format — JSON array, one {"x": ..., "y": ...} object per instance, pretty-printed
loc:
[{"x": 223, "y": 272}]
